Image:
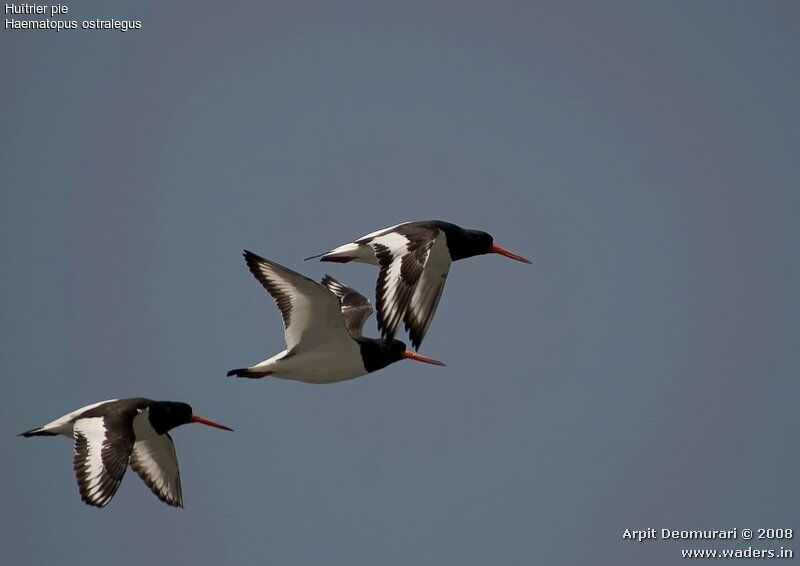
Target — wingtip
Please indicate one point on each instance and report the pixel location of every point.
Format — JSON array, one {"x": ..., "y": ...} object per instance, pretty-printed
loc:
[{"x": 252, "y": 260}]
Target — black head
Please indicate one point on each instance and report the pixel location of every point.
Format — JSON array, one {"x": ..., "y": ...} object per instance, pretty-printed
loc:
[
  {"x": 166, "y": 415},
  {"x": 476, "y": 242},
  {"x": 479, "y": 242},
  {"x": 464, "y": 243},
  {"x": 377, "y": 354}
]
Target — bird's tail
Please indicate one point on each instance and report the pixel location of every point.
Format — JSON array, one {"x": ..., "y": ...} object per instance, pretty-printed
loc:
[
  {"x": 342, "y": 254},
  {"x": 327, "y": 257},
  {"x": 335, "y": 259},
  {"x": 249, "y": 373},
  {"x": 37, "y": 432}
]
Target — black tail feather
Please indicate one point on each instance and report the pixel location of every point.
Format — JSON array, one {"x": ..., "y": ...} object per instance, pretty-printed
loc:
[
  {"x": 37, "y": 432},
  {"x": 333, "y": 259},
  {"x": 246, "y": 372},
  {"x": 340, "y": 259}
]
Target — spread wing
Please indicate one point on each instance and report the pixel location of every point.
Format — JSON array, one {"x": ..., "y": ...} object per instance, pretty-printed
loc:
[
  {"x": 155, "y": 461},
  {"x": 311, "y": 313},
  {"x": 402, "y": 256},
  {"x": 356, "y": 308},
  {"x": 427, "y": 292},
  {"x": 102, "y": 449}
]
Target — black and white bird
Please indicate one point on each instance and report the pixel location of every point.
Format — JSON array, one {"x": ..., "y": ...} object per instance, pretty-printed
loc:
[
  {"x": 414, "y": 259},
  {"x": 112, "y": 434},
  {"x": 323, "y": 329}
]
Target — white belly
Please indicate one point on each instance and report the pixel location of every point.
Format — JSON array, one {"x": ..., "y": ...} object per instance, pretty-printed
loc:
[{"x": 322, "y": 365}]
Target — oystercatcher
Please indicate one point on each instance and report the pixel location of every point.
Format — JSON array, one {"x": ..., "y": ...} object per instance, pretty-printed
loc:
[
  {"x": 414, "y": 258},
  {"x": 111, "y": 434},
  {"x": 322, "y": 327}
]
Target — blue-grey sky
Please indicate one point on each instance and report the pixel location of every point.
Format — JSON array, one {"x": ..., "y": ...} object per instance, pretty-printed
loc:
[{"x": 643, "y": 372}]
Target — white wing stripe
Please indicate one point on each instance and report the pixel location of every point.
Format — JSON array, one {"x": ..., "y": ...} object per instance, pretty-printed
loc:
[
  {"x": 393, "y": 286},
  {"x": 98, "y": 479},
  {"x": 95, "y": 433}
]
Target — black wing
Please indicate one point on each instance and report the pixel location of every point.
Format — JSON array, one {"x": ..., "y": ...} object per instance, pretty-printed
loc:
[{"x": 402, "y": 255}]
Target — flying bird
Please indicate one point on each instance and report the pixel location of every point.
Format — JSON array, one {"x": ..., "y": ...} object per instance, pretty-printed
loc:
[
  {"x": 414, "y": 259},
  {"x": 323, "y": 329},
  {"x": 112, "y": 434}
]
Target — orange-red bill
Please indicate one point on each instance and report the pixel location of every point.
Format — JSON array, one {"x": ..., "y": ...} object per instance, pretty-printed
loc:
[
  {"x": 420, "y": 358},
  {"x": 201, "y": 420},
  {"x": 495, "y": 249}
]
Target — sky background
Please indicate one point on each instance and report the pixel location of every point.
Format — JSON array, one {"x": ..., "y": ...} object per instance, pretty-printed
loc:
[{"x": 643, "y": 372}]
